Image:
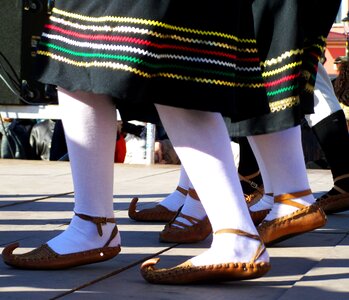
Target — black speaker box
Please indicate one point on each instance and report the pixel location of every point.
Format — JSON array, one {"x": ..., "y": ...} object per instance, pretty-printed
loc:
[{"x": 21, "y": 25}]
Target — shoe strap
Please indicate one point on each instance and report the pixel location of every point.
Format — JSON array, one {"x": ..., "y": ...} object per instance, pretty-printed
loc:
[
  {"x": 99, "y": 221},
  {"x": 190, "y": 219},
  {"x": 261, "y": 248},
  {"x": 338, "y": 189},
  {"x": 250, "y": 182},
  {"x": 286, "y": 198},
  {"x": 192, "y": 193},
  {"x": 341, "y": 177},
  {"x": 182, "y": 190}
]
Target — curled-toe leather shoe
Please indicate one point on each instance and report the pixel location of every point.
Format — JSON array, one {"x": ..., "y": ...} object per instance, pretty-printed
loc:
[
  {"x": 187, "y": 273},
  {"x": 44, "y": 258}
]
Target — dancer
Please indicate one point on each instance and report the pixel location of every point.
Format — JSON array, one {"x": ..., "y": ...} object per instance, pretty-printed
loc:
[
  {"x": 105, "y": 55},
  {"x": 143, "y": 55}
]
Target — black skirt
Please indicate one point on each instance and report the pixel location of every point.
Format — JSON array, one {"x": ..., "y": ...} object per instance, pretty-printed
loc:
[{"x": 221, "y": 56}]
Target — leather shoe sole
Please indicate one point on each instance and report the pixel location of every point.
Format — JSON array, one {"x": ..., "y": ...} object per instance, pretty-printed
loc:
[
  {"x": 44, "y": 258},
  {"x": 186, "y": 273}
]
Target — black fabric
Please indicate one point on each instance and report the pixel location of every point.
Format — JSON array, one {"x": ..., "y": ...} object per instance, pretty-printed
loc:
[
  {"x": 247, "y": 163},
  {"x": 58, "y": 144},
  {"x": 191, "y": 54},
  {"x": 333, "y": 137}
]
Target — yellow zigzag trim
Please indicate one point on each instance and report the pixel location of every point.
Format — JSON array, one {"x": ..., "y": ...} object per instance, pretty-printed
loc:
[
  {"x": 155, "y": 34},
  {"x": 280, "y": 70},
  {"x": 284, "y": 104},
  {"x": 152, "y": 23},
  {"x": 282, "y": 57},
  {"x": 118, "y": 66}
]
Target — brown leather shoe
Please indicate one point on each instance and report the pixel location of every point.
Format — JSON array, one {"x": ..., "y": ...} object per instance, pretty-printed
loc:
[
  {"x": 187, "y": 273},
  {"x": 197, "y": 231},
  {"x": 44, "y": 258},
  {"x": 157, "y": 213},
  {"x": 306, "y": 218},
  {"x": 336, "y": 200}
]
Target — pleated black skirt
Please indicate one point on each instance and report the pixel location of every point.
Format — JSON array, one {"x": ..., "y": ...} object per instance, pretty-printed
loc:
[{"x": 234, "y": 57}]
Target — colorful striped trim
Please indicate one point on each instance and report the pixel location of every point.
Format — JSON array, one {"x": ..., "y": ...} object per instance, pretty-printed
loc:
[
  {"x": 282, "y": 90},
  {"x": 142, "y": 62},
  {"x": 116, "y": 19},
  {"x": 281, "y": 58},
  {"x": 122, "y": 39},
  {"x": 142, "y": 31},
  {"x": 282, "y": 69},
  {"x": 140, "y": 51},
  {"x": 123, "y": 67}
]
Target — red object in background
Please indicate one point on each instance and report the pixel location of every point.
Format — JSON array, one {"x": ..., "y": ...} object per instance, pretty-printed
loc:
[{"x": 120, "y": 149}]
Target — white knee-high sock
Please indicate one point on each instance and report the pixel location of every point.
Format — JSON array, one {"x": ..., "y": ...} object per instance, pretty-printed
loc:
[
  {"x": 267, "y": 201},
  {"x": 283, "y": 157},
  {"x": 176, "y": 199},
  {"x": 90, "y": 127},
  {"x": 209, "y": 162}
]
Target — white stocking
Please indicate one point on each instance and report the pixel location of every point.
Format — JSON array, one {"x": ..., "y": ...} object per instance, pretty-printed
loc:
[
  {"x": 267, "y": 201},
  {"x": 203, "y": 145},
  {"x": 176, "y": 199},
  {"x": 282, "y": 155},
  {"x": 90, "y": 127}
]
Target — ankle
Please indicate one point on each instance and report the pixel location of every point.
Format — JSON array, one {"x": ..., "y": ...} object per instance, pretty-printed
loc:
[
  {"x": 192, "y": 207},
  {"x": 265, "y": 203},
  {"x": 289, "y": 203},
  {"x": 175, "y": 200},
  {"x": 82, "y": 235}
]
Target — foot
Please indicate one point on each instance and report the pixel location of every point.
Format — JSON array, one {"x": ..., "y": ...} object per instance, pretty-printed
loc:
[
  {"x": 191, "y": 224},
  {"x": 82, "y": 235},
  {"x": 229, "y": 247},
  {"x": 80, "y": 244},
  {"x": 228, "y": 259},
  {"x": 337, "y": 199},
  {"x": 281, "y": 209},
  {"x": 292, "y": 214}
]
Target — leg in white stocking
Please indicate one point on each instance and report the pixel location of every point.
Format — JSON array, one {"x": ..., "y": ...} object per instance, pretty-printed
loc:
[
  {"x": 292, "y": 212},
  {"x": 176, "y": 199},
  {"x": 219, "y": 188},
  {"x": 267, "y": 201},
  {"x": 90, "y": 128},
  {"x": 285, "y": 168}
]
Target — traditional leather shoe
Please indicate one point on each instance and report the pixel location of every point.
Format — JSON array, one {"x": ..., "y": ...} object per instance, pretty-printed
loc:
[
  {"x": 197, "y": 231},
  {"x": 44, "y": 258},
  {"x": 157, "y": 213},
  {"x": 306, "y": 218},
  {"x": 336, "y": 200},
  {"x": 187, "y": 273}
]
